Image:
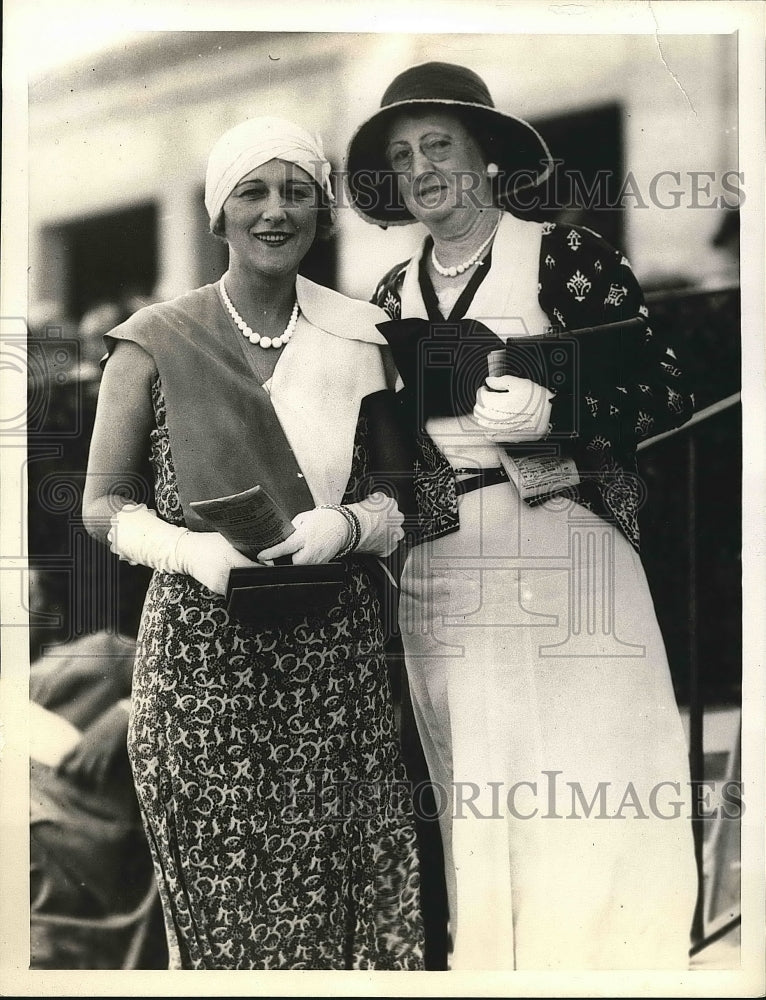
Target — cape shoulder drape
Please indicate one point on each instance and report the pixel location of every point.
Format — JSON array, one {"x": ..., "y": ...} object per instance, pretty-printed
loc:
[{"x": 296, "y": 440}]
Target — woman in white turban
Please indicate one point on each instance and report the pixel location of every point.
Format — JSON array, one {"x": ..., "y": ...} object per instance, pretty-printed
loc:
[{"x": 265, "y": 758}]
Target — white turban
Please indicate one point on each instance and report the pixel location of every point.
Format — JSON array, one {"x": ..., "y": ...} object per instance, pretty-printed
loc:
[{"x": 253, "y": 143}]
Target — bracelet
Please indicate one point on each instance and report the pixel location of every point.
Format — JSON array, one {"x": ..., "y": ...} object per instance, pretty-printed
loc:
[
  {"x": 179, "y": 563},
  {"x": 353, "y": 523}
]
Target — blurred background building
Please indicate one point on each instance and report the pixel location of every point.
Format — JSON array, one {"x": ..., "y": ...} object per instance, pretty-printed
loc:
[{"x": 118, "y": 144}]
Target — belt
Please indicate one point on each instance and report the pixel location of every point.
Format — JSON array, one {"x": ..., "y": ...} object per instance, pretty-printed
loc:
[{"x": 479, "y": 478}]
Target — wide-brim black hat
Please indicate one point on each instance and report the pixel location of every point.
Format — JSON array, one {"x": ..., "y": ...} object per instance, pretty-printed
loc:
[{"x": 513, "y": 144}]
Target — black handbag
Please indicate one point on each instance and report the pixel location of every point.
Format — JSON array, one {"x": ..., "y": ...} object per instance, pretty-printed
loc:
[{"x": 270, "y": 595}]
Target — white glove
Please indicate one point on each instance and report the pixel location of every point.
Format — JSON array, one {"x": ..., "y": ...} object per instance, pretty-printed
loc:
[
  {"x": 510, "y": 409},
  {"x": 139, "y": 536},
  {"x": 320, "y": 534},
  {"x": 380, "y": 521}
]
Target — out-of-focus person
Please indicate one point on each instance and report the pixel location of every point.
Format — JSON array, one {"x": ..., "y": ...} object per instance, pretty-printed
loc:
[{"x": 89, "y": 856}]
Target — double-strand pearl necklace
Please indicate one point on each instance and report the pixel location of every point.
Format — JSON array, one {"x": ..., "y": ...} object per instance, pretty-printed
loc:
[
  {"x": 249, "y": 334},
  {"x": 452, "y": 272}
]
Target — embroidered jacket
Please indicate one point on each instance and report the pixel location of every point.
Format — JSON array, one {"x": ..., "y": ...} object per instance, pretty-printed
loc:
[{"x": 582, "y": 282}]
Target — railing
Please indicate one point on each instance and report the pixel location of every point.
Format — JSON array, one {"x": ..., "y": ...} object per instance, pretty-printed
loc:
[
  {"x": 706, "y": 929},
  {"x": 697, "y": 418}
]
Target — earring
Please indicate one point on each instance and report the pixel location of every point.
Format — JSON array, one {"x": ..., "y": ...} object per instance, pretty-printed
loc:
[{"x": 492, "y": 170}]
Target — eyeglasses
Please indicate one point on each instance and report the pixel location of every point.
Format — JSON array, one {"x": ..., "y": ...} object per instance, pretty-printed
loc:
[{"x": 435, "y": 148}]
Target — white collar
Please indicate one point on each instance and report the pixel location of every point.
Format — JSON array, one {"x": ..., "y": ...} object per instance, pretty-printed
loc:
[
  {"x": 515, "y": 258},
  {"x": 514, "y": 271},
  {"x": 413, "y": 305},
  {"x": 338, "y": 314}
]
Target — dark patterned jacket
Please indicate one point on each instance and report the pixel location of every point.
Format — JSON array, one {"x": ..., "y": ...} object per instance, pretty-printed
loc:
[{"x": 583, "y": 282}]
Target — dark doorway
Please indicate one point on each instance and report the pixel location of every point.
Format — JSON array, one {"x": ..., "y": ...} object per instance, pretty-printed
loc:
[
  {"x": 588, "y": 148},
  {"x": 110, "y": 257}
]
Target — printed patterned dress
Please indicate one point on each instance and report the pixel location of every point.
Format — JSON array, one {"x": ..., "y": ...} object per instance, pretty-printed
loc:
[{"x": 267, "y": 770}]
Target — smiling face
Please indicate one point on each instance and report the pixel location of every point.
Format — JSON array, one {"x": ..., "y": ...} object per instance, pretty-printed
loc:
[
  {"x": 439, "y": 165},
  {"x": 270, "y": 219}
]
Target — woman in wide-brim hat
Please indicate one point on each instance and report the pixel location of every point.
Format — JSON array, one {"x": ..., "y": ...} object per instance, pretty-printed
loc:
[
  {"x": 539, "y": 680},
  {"x": 513, "y": 145},
  {"x": 250, "y": 745}
]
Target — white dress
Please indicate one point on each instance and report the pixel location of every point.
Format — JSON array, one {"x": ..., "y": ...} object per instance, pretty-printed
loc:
[{"x": 544, "y": 704}]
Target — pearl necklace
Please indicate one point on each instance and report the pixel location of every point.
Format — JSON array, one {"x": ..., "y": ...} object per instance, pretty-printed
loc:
[
  {"x": 452, "y": 272},
  {"x": 249, "y": 334}
]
